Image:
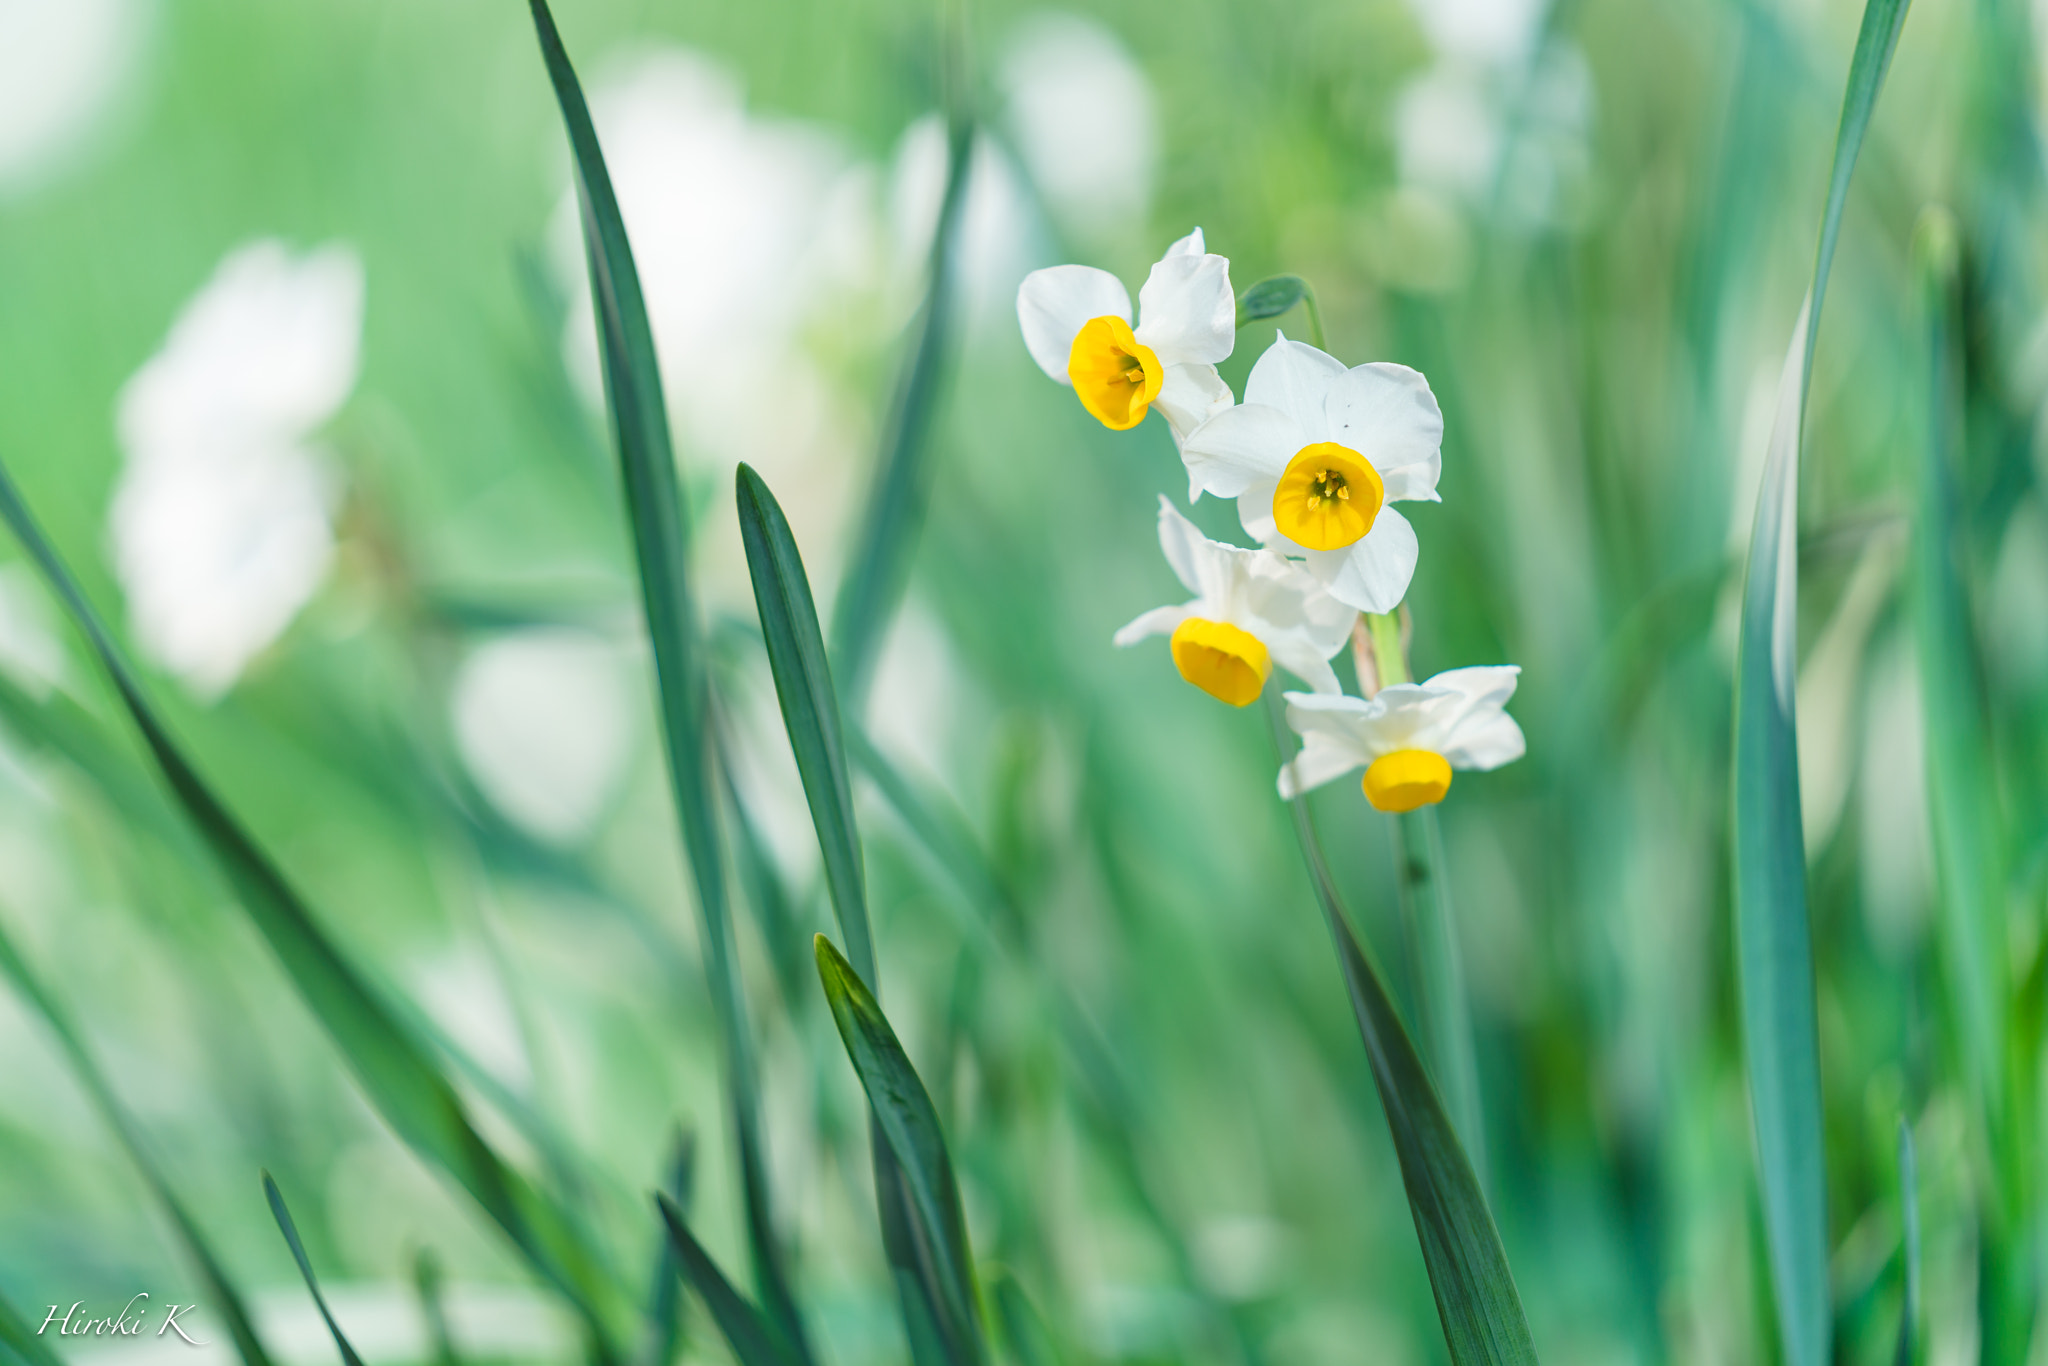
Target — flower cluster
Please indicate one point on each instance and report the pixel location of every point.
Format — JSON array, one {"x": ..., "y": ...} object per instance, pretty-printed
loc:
[{"x": 1315, "y": 456}]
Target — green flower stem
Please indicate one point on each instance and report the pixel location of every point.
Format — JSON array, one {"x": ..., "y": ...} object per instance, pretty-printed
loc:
[{"x": 1424, "y": 893}]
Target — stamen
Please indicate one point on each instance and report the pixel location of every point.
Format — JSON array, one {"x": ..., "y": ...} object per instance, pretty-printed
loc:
[{"x": 1345, "y": 493}]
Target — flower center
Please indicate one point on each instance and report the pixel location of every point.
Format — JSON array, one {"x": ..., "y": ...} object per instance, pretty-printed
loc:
[
  {"x": 1115, "y": 374},
  {"x": 1229, "y": 664},
  {"x": 1328, "y": 497},
  {"x": 1406, "y": 779}
]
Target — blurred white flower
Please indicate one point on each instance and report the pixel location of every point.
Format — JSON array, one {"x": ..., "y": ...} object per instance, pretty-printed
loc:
[
  {"x": 1407, "y": 737},
  {"x": 1314, "y": 455},
  {"x": 738, "y": 226},
  {"x": 543, "y": 723},
  {"x": 1077, "y": 325},
  {"x": 1082, "y": 114},
  {"x": 60, "y": 66},
  {"x": 221, "y": 520},
  {"x": 1501, "y": 108},
  {"x": 1251, "y": 608}
]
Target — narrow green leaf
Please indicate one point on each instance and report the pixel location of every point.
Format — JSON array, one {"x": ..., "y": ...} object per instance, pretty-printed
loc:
[
  {"x": 291, "y": 1238},
  {"x": 810, "y": 707},
  {"x": 1909, "y": 1250},
  {"x": 1968, "y": 825},
  {"x": 655, "y": 507},
  {"x": 1476, "y": 1298},
  {"x": 745, "y": 1330},
  {"x": 903, "y": 1111},
  {"x": 896, "y": 504},
  {"x": 227, "y": 1300},
  {"x": 394, "y": 1070},
  {"x": 1773, "y": 936},
  {"x": 665, "y": 1310},
  {"x": 1024, "y": 1330},
  {"x": 23, "y": 1341},
  {"x": 1446, "y": 1009}
]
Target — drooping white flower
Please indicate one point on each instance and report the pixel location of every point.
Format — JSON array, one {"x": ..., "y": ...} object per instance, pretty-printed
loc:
[
  {"x": 1407, "y": 737},
  {"x": 1077, "y": 325},
  {"x": 1251, "y": 608},
  {"x": 61, "y": 68},
  {"x": 222, "y": 520},
  {"x": 1314, "y": 455}
]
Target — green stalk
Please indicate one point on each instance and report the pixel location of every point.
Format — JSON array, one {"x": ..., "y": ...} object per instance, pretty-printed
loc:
[{"x": 1424, "y": 894}]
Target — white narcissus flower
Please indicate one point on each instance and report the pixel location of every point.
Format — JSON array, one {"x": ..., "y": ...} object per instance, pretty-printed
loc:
[
  {"x": 1313, "y": 456},
  {"x": 1407, "y": 737},
  {"x": 222, "y": 521},
  {"x": 1077, "y": 326},
  {"x": 1251, "y": 608}
]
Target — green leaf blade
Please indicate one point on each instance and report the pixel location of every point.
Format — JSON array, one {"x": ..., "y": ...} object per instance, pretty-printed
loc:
[
  {"x": 904, "y": 1114},
  {"x": 752, "y": 1340},
  {"x": 810, "y": 706},
  {"x": 1774, "y": 943},
  {"x": 290, "y": 1230}
]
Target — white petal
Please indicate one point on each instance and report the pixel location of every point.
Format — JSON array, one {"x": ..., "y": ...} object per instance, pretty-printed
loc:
[
  {"x": 1186, "y": 311},
  {"x": 1239, "y": 447},
  {"x": 1387, "y": 413},
  {"x": 1300, "y": 656},
  {"x": 1053, "y": 303},
  {"x": 1279, "y": 597},
  {"x": 1189, "y": 396},
  {"x": 1255, "y": 514},
  {"x": 1320, "y": 761},
  {"x": 1185, "y": 547},
  {"x": 1373, "y": 574},
  {"x": 1487, "y": 742},
  {"x": 1294, "y": 377},
  {"x": 1160, "y": 621},
  {"x": 1191, "y": 245}
]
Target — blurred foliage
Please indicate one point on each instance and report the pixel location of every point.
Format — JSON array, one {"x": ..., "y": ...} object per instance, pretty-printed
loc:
[{"x": 1099, "y": 947}]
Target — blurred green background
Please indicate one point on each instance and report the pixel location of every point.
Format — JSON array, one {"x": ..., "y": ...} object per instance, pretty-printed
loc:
[{"x": 1589, "y": 223}]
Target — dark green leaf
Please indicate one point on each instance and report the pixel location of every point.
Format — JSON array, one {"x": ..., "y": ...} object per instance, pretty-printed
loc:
[
  {"x": 291, "y": 1238},
  {"x": 745, "y": 1330},
  {"x": 810, "y": 708},
  {"x": 1909, "y": 1250},
  {"x": 1773, "y": 936},
  {"x": 654, "y": 503},
  {"x": 1024, "y": 1331},
  {"x": 665, "y": 1310},
  {"x": 227, "y": 1300},
  {"x": 904, "y": 1114},
  {"x": 1476, "y": 1297}
]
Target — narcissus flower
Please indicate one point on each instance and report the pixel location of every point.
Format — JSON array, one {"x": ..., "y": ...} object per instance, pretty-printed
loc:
[
  {"x": 1314, "y": 455},
  {"x": 1077, "y": 326},
  {"x": 1251, "y": 609},
  {"x": 1407, "y": 737}
]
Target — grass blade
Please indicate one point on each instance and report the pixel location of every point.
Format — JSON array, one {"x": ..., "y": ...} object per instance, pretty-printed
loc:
[
  {"x": 291, "y": 1237},
  {"x": 1024, "y": 1330},
  {"x": 903, "y": 1111},
  {"x": 1446, "y": 1008},
  {"x": 896, "y": 505},
  {"x": 810, "y": 707},
  {"x": 83, "y": 1066},
  {"x": 394, "y": 1070},
  {"x": 655, "y": 507},
  {"x": 752, "y": 1340},
  {"x": 1773, "y": 935},
  {"x": 1909, "y": 1250},
  {"x": 1476, "y": 1298},
  {"x": 665, "y": 1311}
]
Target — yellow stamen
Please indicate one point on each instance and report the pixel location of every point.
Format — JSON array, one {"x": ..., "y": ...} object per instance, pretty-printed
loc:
[
  {"x": 1406, "y": 779},
  {"x": 1229, "y": 664},
  {"x": 1116, "y": 375},
  {"x": 1328, "y": 497}
]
